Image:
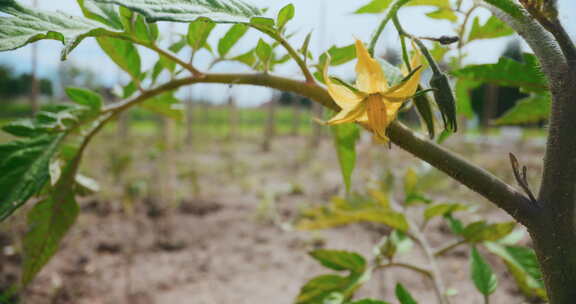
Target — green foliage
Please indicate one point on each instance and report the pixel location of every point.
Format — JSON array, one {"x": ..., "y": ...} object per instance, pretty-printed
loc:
[
  {"x": 264, "y": 52},
  {"x": 189, "y": 10},
  {"x": 103, "y": 13},
  {"x": 403, "y": 295},
  {"x": 508, "y": 6},
  {"x": 481, "y": 231},
  {"x": 481, "y": 273},
  {"x": 442, "y": 210},
  {"x": 356, "y": 209},
  {"x": 231, "y": 37},
  {"x": 198, "y": 32},
  {"x": 369, "y": 301},
  {"x": 523, "y": 265},
  {"x": 374, "y": 7},
  {"x": 86, "y": 98},
  {"x": 508, "y": 72},
  {"x": 25, "y": 170},
  {"x": 123, "y": 53},
  {"x": 285, "y": 15},
  {"x": 165, "y": 104},
  {"x": 463, "y": 90},
  {"x": 492, "y": 28},
  {"x": 27, "y": 25},
  {"x": 49, "y": 221},
  {"x": 532, "y": 109},
  {"x": 443, "y": 9},
  {"x": 341, "y": 55},
  {"x": 327, "y": 287},
  {"x": 345, "y": 138}
]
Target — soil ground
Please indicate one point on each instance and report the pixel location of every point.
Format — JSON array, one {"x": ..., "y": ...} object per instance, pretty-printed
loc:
[{"x": 214, "y": 225}]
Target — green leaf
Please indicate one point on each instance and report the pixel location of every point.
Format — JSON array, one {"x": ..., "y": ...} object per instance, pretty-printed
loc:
[
  {"x": 165, "y": 104},
  {"x": 443, "y": 9},
  {"x": 286, "y": 14},
  {"x": 103, "y": 13},
  {"x": 455, "y": 224},
  {"x": 342, "y": 55},
  {"x": 48, "y": 223},
  {"x": 493, "y": 28},
  {"x": 424, "y": 107},
  {"x": 508, "y": 6},
  {"x": 403, "y": 295},
  {"x": 480, "y": 231},
  {"x": 345, "y": 138},
  {"x": 25, "y": 25},
  {"x": 523, "y": 265},
  {"x": 123, "y": 53},
  {"x": 189, "y": 10},
  {"x": 231, "y": 37},
  {"x": 508, "y": 72},
  {"x": 442, "y": 209},
  {"x": 481, "y": 273},
  {"x": 198, "y": 32},
  {"x": 410, "y": 182},
  {"x": 263, "y": 51},
  {"x": 321, "y": 287},
  {"x": 340, "y": 260},
  {"x": 463, "y": 92},
  {"x": 532, "y": 109},
  {"x": 86, "y": 98},
  {"x": 248, "y": 58},
  {"x": 25, "y": 170},
  {"x": 263, "y": 23},
  {"x": 374, "y": 7}
]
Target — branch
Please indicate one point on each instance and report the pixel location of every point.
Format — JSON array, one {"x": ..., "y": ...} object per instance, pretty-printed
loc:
[
  {"x": 475, "y": 178},
  {"x": 538, "y": 38}
]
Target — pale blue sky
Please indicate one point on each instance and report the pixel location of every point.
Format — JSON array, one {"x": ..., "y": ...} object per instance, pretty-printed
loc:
[{"x": 340, "y": 28}]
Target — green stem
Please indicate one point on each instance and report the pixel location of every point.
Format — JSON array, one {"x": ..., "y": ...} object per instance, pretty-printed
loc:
[
  {"x": 172, "y": 57},
  {"x": 389, "y": 15},
  {"x": 414, "y": 268},
  {"x": 449, "y": 247}
]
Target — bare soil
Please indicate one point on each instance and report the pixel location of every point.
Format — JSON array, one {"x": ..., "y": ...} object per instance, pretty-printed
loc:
[{"x": 211, "y": 224}]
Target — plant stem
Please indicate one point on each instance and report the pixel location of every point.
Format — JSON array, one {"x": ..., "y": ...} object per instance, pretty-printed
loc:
[
  {"x": 389, "y": 15},
  {"x": 172, "y": 57},
  {"x": 449, "y": 247},
  {"x": 414, "y": 268},
  {"x": 436, "y": 276}
]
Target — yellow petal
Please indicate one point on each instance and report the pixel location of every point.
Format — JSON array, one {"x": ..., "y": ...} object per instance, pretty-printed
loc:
[
  {"x": 377, "y": 115},
  {"x": 406, "y": 89},
  {"x": 342, "y": 96},
  {"x": 371, "y": 78},
  {"x": 349, "y": 115}
]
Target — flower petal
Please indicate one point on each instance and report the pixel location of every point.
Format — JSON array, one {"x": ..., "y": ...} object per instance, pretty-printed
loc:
[
  {"x": 342, "y": 96},
  {"x": 407, "y": 89},
  {"x": 377, "y": 115},
  {"x": 370, "y": 77},
  {"x": 349, "y": 115}
]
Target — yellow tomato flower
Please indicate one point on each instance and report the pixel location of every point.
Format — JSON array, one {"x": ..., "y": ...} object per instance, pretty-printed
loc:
[{"x": 372, "y": 102}]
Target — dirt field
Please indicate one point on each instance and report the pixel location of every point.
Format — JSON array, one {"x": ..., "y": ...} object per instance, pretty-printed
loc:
[{"x": 214, "y": 226}]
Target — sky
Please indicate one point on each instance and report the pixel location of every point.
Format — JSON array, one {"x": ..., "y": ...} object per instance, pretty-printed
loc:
[{"x": 331, "y": 21}]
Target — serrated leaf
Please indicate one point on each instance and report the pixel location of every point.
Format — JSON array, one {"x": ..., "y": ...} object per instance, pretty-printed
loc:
[
  {"x": 508, "y": 6},
  {"x": 25, "y": 170},
  {"x": 374, "y": 7},
  {"x": 492, "y": 28},
  {"x": 123, "y": 53},
  {"x": 532, "y": 109},
  {"x": 231, "y": 37},
  {"x": 189, "y": 10},
  {"x": 508, "y": 72},
  {"x": 403, "y": 295},
  {"x": 25, "y": 25},
  {"x": 340, "y": 260},
  {"x": 198, "y": 32},
  {"x": 86, "y": 98},
  {"x": 481, "y": 273},
  {"x": 523, "y": 265},
  {"x": 345, "y": 138},
  {"x": 442, "y": 209},
  {"x": 101, "y": 12},
  {"x": 481, "y": 231},
  {"x": 286, "y": 14}
]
